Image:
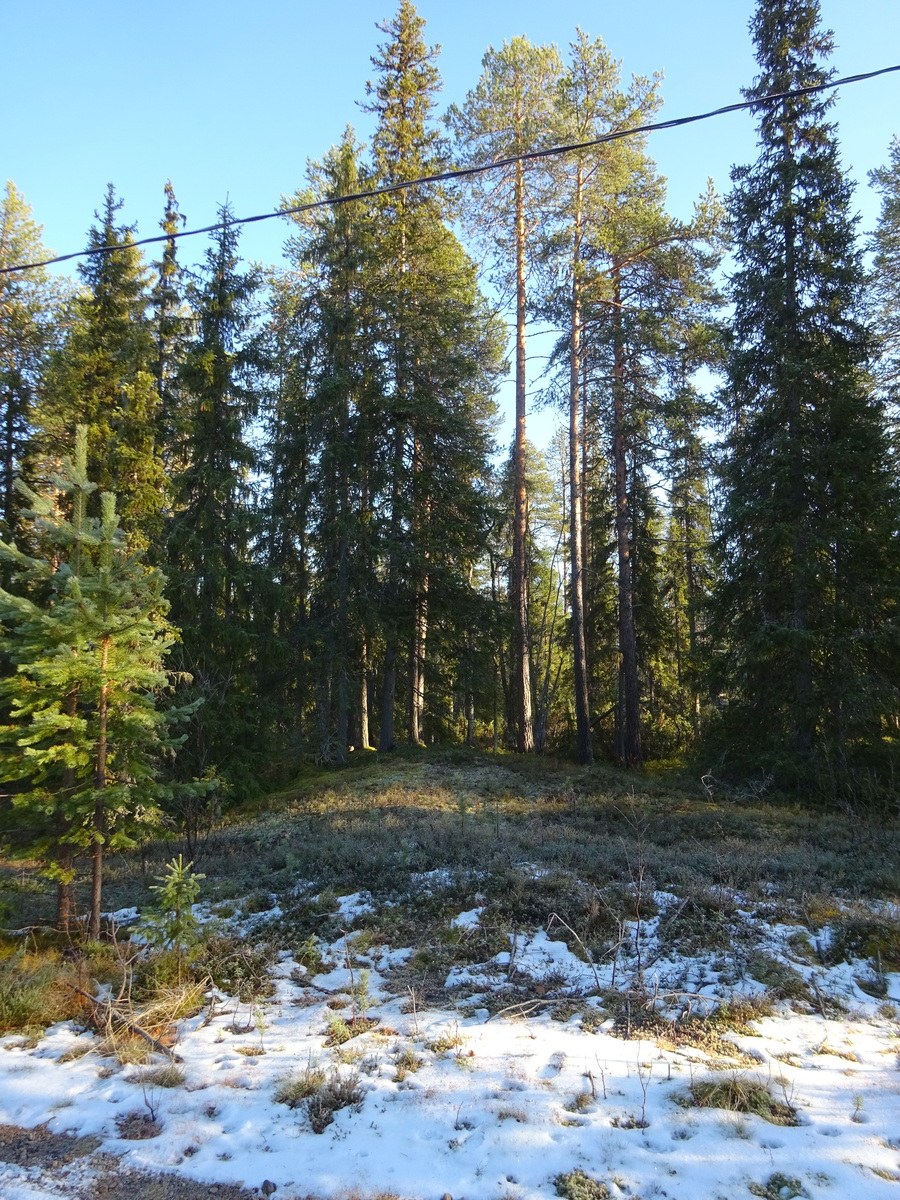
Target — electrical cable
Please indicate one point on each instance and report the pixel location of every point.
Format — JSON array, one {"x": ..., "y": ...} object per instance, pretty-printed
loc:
[{"x": 463, "y": 172}]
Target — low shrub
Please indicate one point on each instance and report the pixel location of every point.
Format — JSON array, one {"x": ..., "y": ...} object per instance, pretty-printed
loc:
[
  {"x": 237, "y": 967},
  {"x": 405, "y": 1062},
  {"x": 782, "y": 981},
  {"x": 778, "y": 1187},
  {"x": 863, "y": 935},
  {"x": 340, "y": 1030},
  {"x": 339, "y": 1091},
  {"x": 320, "y": 1096},
  {"x": 137, "y": 1126},
  {"x": 35, "y": 997},
  {"x": 297, "y": 1088},
  {"x": 575, "y": 1185}
]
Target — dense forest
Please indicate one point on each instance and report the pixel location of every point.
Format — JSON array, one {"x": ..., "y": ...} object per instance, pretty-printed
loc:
[{"x": 258, "y": 517}]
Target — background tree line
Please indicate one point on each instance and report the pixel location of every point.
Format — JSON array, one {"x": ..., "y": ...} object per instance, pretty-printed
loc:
[{"x": 306, "y": 501}]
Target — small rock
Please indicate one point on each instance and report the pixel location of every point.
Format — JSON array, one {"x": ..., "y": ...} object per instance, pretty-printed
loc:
[
  {"x": 446, "y": 1196},
  {"x": 268, "y": 1187}
]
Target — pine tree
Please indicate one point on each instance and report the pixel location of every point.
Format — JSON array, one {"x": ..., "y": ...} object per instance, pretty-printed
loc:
[
  {"x": 509, "y": 112},
  {"x": 590, "y": 103},
  {"x": 87, "y": 634},
  {"x": 644, "y": 288},
  {"x": 806, "y": 606},
  {"x": 552, "y": 660},
  {"x": 103, "y": 377}
]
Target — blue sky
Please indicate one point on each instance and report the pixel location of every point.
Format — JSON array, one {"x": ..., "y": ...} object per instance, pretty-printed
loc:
[{"x": 231, "y": 99}]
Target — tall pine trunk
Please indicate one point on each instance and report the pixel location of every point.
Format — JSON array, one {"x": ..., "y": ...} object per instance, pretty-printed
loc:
[
  {"x": 65, "y": 898},
  {"x": 388, "y": 694},
  {"x": 628, "y": 717},
  {"x": 363, "y": 523},
  {"x": 576, "y": 544},
  {"x": 342, "y": 683},
  {"x": 519, "y": 573}
]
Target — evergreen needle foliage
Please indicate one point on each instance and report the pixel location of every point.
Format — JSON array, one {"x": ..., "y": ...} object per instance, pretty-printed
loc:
[
  {"x": 308, "y": 454},
  {"x": 173, "y": 926},
  {"x": 87, "y": 634},
  {"x": 806, "y": 608}
]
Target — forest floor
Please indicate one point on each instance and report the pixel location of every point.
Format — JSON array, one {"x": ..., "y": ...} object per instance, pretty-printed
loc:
[{"x": 491, "y": 979}]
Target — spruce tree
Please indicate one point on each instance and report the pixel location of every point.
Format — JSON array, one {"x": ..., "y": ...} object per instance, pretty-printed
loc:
[
  {"x": 284, "y": 548},
  {"x": 442, "y": 353},
  {"x": 688, "y": 568},
  {"x": 103, "y": 377},
  {"x": 806, "y": 606},
  {"x": 87, "y": 633},
  {"x": 214, "y": 580},
  {"x": 405, "y": 145},
  {"x": 326, "y": 432},
  {"x": 171, "y": 324}
]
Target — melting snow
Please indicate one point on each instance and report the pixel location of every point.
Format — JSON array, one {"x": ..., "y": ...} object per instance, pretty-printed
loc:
[{"x": 499, "y": 1107}]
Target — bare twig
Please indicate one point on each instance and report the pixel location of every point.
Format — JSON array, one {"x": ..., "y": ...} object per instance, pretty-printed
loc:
[
  {"x": 587, "y": 954},
  {"x": 112, "y": 1014},
  {"x": 527, "y": 1007}
]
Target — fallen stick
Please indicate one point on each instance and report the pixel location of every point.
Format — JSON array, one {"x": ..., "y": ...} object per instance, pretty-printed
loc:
[
  {"x": 131, "y": 1026},
  {"x": 527, "y": 1006}
]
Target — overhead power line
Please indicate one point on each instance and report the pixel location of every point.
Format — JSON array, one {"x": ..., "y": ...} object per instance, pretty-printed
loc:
[{"x": 464, "y": 172}]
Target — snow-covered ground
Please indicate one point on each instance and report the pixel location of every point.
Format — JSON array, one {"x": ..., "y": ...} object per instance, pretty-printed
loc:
[{"x": 486, "y": 1107}]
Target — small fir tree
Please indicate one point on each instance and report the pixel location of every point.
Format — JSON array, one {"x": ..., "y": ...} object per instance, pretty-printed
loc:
[
  {"x": 172, "y": 925},
  {"x": 87, "y": 633}
]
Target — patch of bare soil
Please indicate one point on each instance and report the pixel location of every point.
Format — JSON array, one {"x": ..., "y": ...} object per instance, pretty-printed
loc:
[
  {"x": 128, "y": 1185},
  {"x": 39, "y": 1148},
  {"x": 99, "y": 1176}
]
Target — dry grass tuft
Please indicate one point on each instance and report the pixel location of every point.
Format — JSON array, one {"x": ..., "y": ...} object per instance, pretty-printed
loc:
[
  {"x": 736, "y": 1093},
  {"x": 167, "y": 1076},
  {"x": 405, "y": 1062},
  {"x": 297, "y": 1088}
]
